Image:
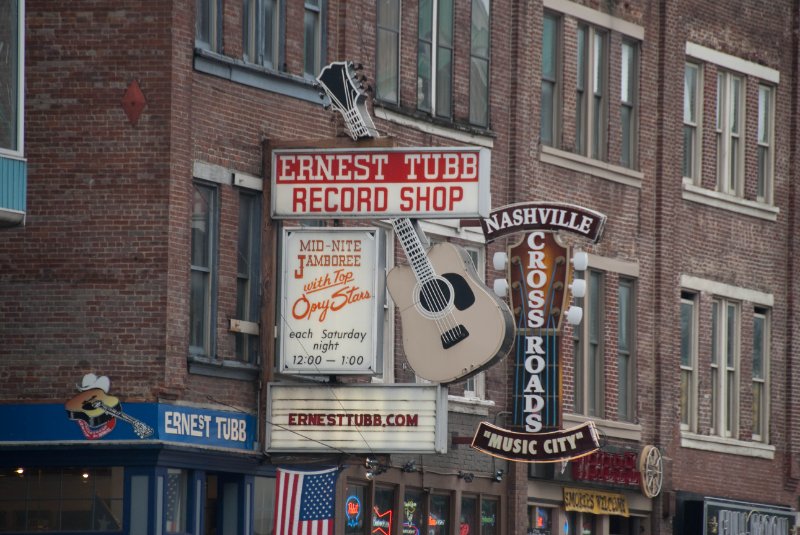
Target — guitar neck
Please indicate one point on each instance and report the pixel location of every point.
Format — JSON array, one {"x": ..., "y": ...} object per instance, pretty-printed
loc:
[
  {"x": 141, "y": 428},
  {"x": 417, "y": 259}
]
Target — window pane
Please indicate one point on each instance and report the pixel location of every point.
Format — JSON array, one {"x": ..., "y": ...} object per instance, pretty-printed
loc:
[
  {"x": 690, "y": 94},
  {"x": 549, "y": 47},
  {"x": 269, "y": 25},
  {"x": 443, "y": 81},
  {"x": 203, "y": 20},
  {"x": 480, "y": 28},
  {"x": 687, "y": 333},
  {"x": 479, "y": 92},
  {"x": 758, "y": 347},
  {"x": 355, "y": 498},
  {"x": 9, "y": 75},
  {"x": 387, "y": 66},
  {"x": 311, "y": 42},
  {"x": 198, "y": 310},
  {"x": 714, "y": 333},
  {"x": 426, "y": 20},
  {"x": 424, "y": 76},
  {"x": 445, "y": 23},
  {"x": 688, "y": 151},
  {"x": 382, "y": 511},
  {"x": 438, "y": 522},
  {"x": 730, "y": 348},
  {"x": 736, "y": 85},
  {"x": 469, "y": 514},
  {"x": 389, "y": 13},
  {"x": 176, "y": 501},
  {"x": 685, "y": 393},
  {"x": 412, "y": 511},
  {"x": 763, "y": 114},
  {"x": 489, "y": 517},
  {"x": 201, "y": 226},
  {"x": 547, "y": 112},
  {"x": 626, "y": 78},
  {"x": 758, "y": 427},
  {"x": 263, "y": 505}
]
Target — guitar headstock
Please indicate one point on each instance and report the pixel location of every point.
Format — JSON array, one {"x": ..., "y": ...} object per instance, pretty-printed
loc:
[{"x": 345, "y": 88}]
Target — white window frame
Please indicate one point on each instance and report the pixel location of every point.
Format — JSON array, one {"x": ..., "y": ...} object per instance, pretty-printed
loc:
[
  {"x": 554, "y": 83},
  {"x": 248, "y": 302},
  {"x": 381, "y": 70},
  {"x": 582, "y": 344},
  {"x": 629, "y": 100},
  {"x": 208, "y": 347},
  {"x": 689, "y": 369},
  {"x": 730, "y": 132},
  {"x": 762, "y": 314},
  {"x": 18, "y": 151},
  {"x": 316, "y": 9},
  {"x": 627, "y": 411},
  {"x": 693, "y": 121},
  {"x": 212, "y": 10},
  {"x": 766, "y": 143},
  {"x": 255, "y": 33},
  {"x": 725, "y": 367},
  {"x": 475, "y": 386},
  {"x": 475, "y": 116},
  {"x": 591, "y": 117},
  {"x": 435, "y": 45}
]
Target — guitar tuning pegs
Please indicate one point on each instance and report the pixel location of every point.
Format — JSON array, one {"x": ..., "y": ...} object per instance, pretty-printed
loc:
[
  {"x": 358, "y": 66},
  {"x": 363, "y": 78}
]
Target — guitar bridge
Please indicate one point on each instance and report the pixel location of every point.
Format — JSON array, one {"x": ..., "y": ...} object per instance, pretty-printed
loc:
[{"x": 453, "y": 336}]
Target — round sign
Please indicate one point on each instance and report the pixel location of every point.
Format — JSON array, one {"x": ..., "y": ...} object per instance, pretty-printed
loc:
[{"x": 651, "y": 468}]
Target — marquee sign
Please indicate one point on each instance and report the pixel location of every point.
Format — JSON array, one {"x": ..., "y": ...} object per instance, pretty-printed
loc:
[
  {"x": 356, "y": 418},
  {"x": 329, "y": 310},
  {"x": 381, "y": 182}
]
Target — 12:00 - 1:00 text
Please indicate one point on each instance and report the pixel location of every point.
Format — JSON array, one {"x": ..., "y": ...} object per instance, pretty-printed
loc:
[{"x": 316, "y": 360}]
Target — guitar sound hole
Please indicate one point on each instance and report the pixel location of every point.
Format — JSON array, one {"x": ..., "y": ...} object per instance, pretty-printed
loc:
[{"x": 434, "y": 296}]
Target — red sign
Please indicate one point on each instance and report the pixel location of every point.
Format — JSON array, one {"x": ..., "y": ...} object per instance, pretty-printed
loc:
[
  {"x": 382, "y": 182},
  {"x": 608, "y": 467}
]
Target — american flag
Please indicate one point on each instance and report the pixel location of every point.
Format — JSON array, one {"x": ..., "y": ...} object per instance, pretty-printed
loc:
[{"x": 304, "y": 502}]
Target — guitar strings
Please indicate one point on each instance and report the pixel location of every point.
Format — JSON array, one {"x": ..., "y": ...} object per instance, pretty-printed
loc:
[{"x": 430, "y": 289}]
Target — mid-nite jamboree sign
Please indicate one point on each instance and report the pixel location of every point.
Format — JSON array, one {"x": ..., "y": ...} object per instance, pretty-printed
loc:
[
  {"x": 329, "y": 311},
  {"x": 381, "y": 182}
]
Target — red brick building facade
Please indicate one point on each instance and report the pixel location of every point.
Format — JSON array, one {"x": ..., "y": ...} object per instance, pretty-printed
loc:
[{"x": 148, "y": 269}]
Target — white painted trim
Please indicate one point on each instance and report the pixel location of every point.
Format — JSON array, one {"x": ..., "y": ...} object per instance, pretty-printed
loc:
[
  {"x": 589, "y": 166},
  {"x": 614, "y": 265},
  {"x": 611, "y": 428},
  {"x": 709, "y": 55},
  {"x": 732, "y": 203},
  {"x": 212, "y": 172},
  {"x": 595, "y": 17},
  {"x": 462, "y": 405},
  {"x": 430, "y": 128},
  {"x": 727, "y": 445},
  {"x": 721, "y": 289},
  {"x": 451, "y": 228},
  {"x": 244, "y": 327},
  {"x": 243, "y": 180}
]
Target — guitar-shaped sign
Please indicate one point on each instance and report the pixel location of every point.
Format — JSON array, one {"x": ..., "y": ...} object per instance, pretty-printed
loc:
[
  {"x": 340, "y": 83},
  {"x": 95, "y": 408},
  {"x": 453, "y": 325}
]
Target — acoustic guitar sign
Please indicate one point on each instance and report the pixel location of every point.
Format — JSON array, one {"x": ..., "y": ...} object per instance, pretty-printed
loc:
[{"x": 329, "y": 310}]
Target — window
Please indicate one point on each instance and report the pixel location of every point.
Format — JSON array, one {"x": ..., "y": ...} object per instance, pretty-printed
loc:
[
  {"x": 766, "y": 95},
  {"x": 11, "y": 77},
  {"x": 548, "y": 126},
  {"x": 725, "y": 367},
  {"x": 692, "y": 101},
  {"x": 479, "y": 64},
  {"x": 435, "y": 57},
  {"x": 387, "y": 68},
  {"x": 439, "y": 516},
  {"x": 628, "y": 97},
  {"x": 540, "y": 520},
  {"x": 760, "y": 374},
  {"x": 588, "y": 349},
  {"x": 205, "y": 214},
  {"x": 260, "y": 32},
  {"x": 382, "y": 510},
  {"x": 314, "y": 19},
  {"x": 207, "y": 25},
  {"x": 62, "y": 499},
  {"x": 263, "y": 505},
  {"x": 592, "y": 76},
  {"x": 475, "y": 386},
  {"x": 247, "y": 276},
  {"x": 688, "y": 361},
  {"x": 176, "y": 501},
  {"x": 626, "y": 378},
  {"x": 730, "y": 111},
  {"x": 355, "y": 497}
]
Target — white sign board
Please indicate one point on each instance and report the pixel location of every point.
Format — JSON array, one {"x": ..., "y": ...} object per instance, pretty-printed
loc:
[
  {"x": 381, "y": 183},
  {"x": 329, "y": 314},
  {"x": 357, "y": 418}
]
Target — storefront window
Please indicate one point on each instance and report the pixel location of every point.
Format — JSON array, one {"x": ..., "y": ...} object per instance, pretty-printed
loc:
[
  {"x": 540, "y": 520},
  {"x": 263, "y": 505},
  {"x": 354, "y": 504},
  {"x": 412, "y": 512},
  {"x": 382, "y": 511},
  {"x": 489, "y": 518},
  {"x": 61, "y": 499},
  {"x": 176, "y": 501},
  {"x": 619, "y": 525},
  {"x": 580, "y": 524},
  {"x": 469, "y": 521},
  {"x": 439, "y": 517}
]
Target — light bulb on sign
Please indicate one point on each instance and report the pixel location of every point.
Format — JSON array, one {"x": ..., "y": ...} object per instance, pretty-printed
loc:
[
  {"x": 580, "y": 261},
  {"x": 578, "y": 288},
  {"x": 574, "y": 315},
  {"x": 500, "y": 261},
  {"x": 500, "y": 287}
]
